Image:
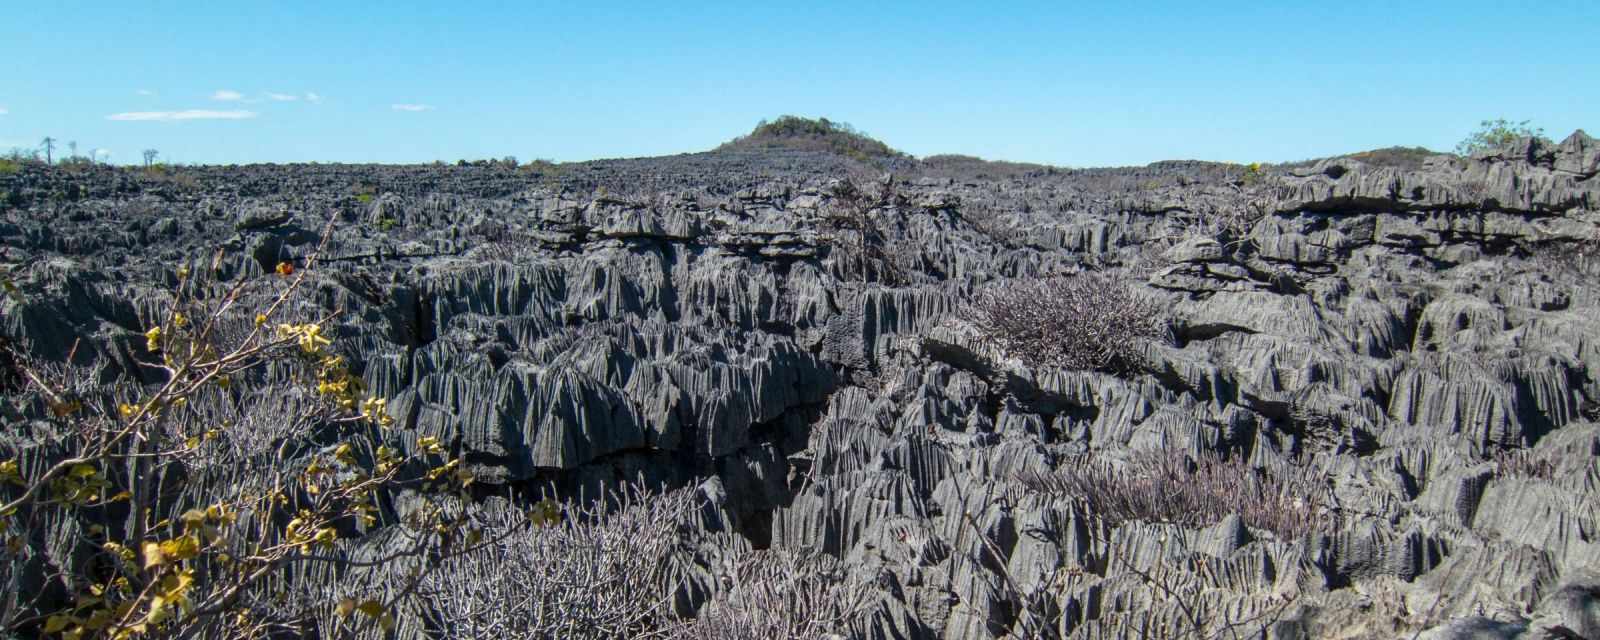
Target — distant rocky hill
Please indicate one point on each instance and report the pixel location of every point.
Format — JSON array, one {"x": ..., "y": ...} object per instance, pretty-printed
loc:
[{"x": 1414, "y": 337}]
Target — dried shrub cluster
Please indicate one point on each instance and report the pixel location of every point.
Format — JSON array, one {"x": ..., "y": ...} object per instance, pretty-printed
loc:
[
  {"x": 582, "y": 571},
  {"x": 1232, "y": 225},
  {"x": 991, "y": 222},
  {"x": 1525, "y": 463},
  {"x": 1172, "y": 487},
  {"x": 1087, "y": 322},
  {"x": 863, "y": 247},
  {"x": 1570, "y": 260},
  {"x": 571, "y": 571},
  {"x": 784, "y": 594}
]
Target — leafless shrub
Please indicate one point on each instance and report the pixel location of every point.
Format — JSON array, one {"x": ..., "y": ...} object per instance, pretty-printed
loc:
[
  {"x": 1526, "y": 463},
  {"x": 1185, "y": 593},
  {"x": 987, "y": 220},
  {"x": 1150, "y": 257},
  {"x": 858, "y": 234},
  {"x": 1086, "y": 322},
  {"x": 1569, "y": 259},
  {"x": 1471, "y": 193},
  {"x": 786, "y": 594},
  {"x": 594, "y": 573},
  {"x": 1151, "y": 254},
  {"x": 905, "y": 258},
  {"x": 1232, "y": 225},
  {"x": 512, "y": 246},
  {"x": 1172, "y": 487},
  {"x": 1035, "y": 607},
  {"x": 1322, "y": 430}
]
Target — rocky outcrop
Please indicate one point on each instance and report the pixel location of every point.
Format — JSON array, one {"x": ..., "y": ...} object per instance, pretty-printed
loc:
[{"x": 1415, "y": 334}]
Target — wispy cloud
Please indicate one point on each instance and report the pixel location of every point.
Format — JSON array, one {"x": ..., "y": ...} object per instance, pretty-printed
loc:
[
  {"x": 411, "y": 107},
  {"x": 187, "y": 114},
  {"x": 101, "y": 153},
  {"x": 227, "y": 95},
  {"x": 283, "y": 97},
  {"x": 145, "y": 92},
  {"x": 4, "y": 111},
  {"x": 312, "y": 97}
]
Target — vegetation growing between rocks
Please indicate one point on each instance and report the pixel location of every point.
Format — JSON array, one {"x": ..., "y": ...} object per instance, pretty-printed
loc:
[
  {"x": 860, "y": 217},
  {"x": 752, "y": 315},
  {"x": 157, "y": 543},
  {"x": 1087, "y": 321},
  {"x": 1493, "y": 134},
  {"x": 589, "y": 571},
  {"x": 1173, "y": 487},
  {"x": 192, "y": 511},
  {"x": 821, "y": 134}
]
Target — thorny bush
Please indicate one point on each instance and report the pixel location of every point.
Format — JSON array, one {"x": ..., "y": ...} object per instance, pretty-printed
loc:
[
  {"x": 859, "y": 220},
  {"x": 1172, "y": 487},
  {"x": 584, "y": 570},
  {"x": 782, "y": 593},
  {"x": 1085, "y": 322},
  {"x": 578, "y": 571}
]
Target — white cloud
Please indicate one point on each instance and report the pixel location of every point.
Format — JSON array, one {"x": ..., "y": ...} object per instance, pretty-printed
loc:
[
  {"x": 101, "y": 153},
  {"x": 226, "y": 95},
  {"x": 145, "y": 92},
  {"x": 4, "y": 111},
  {"x": 283, "y": 97},
  {"x": 312, "y": 97},
  {"x": 411, "y": 107},
  {"x": 188, "y": 114}
]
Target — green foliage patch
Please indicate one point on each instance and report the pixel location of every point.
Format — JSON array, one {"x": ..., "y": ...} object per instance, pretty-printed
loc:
[
  {"x": 820, "y": 134},
  {"x": 1493, "y": 134}
]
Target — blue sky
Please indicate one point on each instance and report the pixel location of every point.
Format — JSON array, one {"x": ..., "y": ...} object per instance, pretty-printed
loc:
[{"x": 1079, "y": 84}]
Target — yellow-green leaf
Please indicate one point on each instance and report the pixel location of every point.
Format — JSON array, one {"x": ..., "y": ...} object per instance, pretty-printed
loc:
[
  {"x": 158, "y": 610},
  {"x": 54, "y": 624},
  {"x": 193, "y": 517},
  {"x": 152, "y": 555},
  {"x": 180, "y": 548},
  {"x": 372, "y": 608}
]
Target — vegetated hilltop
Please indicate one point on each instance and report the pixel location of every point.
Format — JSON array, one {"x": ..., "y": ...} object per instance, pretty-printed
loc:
[
  {"x": 1353, "y": 397},
  {"x": 821, "y": 134}
]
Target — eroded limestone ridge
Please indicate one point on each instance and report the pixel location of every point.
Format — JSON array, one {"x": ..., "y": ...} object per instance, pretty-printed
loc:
[{"x": 1415, "y": 339}]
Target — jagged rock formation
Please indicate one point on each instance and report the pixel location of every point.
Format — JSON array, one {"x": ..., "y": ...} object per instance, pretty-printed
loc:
[{"x": 1424, "y": 336}]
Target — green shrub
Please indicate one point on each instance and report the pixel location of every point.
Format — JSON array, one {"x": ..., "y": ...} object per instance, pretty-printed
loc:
[
  {"x": 1252, "y": 174},
  {"x": 819, "y": 134},
  {"x": 364, "y": 192},
  {"x": 1493, "y": 134}
]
